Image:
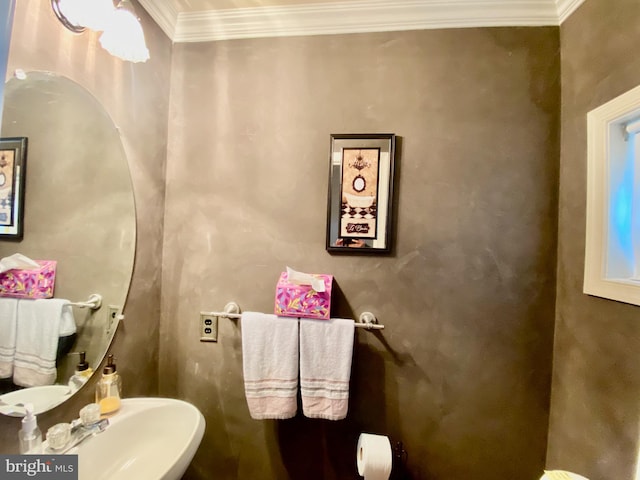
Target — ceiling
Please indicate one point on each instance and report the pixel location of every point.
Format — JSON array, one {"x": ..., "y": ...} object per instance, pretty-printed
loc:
[{"x": 211, "y": 20}]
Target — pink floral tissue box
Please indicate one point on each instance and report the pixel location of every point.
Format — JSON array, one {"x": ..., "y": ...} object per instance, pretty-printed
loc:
[
  {"x": 35, "y": 283},
  {"x": 303, "y": 301}
]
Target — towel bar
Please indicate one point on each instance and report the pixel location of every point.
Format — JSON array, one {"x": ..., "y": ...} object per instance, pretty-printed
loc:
[
  {"x": 94, "y": 302},
  {"x": 366, "y": 320}
]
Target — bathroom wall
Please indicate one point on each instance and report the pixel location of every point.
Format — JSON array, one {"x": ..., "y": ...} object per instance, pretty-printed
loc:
[
  {"x": 461, "y": 374},
  {"x": 136, "y": 97},
  {"x": 595, "y": 408}
]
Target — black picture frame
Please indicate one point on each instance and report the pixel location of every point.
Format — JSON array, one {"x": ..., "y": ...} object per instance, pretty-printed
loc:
[
  {"x": 361, "y": 193},
  {"x": 13, "y": 174}
]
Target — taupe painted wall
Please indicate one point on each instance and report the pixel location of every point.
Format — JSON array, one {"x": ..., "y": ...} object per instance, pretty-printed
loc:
[
  {"x": 136, "y": 98},
  {"x": 462, "y": 372},
  {"x": 595, "y": 414}
]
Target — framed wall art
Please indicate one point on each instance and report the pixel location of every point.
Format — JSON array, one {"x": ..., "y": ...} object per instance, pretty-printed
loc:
[
  {"x": 360, "y": 200},
  {"x": 13, "y": 163}
]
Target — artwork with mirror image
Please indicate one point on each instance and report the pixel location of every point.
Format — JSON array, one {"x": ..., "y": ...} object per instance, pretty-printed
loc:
[
  {"x": 7, "y": 163},
  {"x": 359, "y": 192},
  {"x": 360, "y": 197},
  {"x": 12, "y": 185}
]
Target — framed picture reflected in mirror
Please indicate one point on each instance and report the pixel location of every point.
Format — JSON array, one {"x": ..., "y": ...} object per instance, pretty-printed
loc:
[
  {"x": 13, "y": 162},
  {"x": 360, "y": 198}
]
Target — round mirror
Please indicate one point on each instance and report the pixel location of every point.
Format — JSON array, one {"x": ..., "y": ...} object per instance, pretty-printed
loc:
[{"x": 79, "y": 212}]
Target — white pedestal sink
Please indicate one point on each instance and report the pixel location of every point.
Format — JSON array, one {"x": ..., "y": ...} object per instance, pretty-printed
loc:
[{"x": 148, "y": 439}]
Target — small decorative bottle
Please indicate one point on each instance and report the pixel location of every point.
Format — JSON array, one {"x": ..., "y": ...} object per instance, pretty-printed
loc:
[
  {"x": 82, "y": 373},
  {"x": 109, "y": 389}
]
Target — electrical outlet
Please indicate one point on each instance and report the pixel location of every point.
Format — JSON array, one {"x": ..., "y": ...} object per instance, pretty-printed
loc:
[
  {"x": 208, "y": 327},
  {"x": 113, "y": 313}
]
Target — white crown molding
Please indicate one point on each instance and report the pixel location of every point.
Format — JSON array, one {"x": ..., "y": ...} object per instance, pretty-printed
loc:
[
  {"x": 163, "y": 13},
  {"x": 358, "y": 17},
  {"x": 566, "y": 8},
  {"x": 353, "y": 17}
]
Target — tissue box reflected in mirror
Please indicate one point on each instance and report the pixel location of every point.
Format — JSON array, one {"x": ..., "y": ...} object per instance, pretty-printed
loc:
[
  {"x": 34, "y": 283},
  {"x": 296, "y": 300}
]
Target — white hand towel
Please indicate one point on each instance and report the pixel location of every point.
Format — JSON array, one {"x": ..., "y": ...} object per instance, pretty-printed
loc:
[
  {"x": 40, "y": 324},
  {"x": 8, "y": 327},
  {"x": 326, "y": 350},
  {"x": 270, "y": 365}
]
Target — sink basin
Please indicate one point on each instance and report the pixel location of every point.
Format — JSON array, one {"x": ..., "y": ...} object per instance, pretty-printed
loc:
[
  {"x": 43, "y": 398},
  {"x": 148, "y": 439}
]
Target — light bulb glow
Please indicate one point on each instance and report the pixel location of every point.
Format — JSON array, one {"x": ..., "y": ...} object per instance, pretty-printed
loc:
[
  {"x": 93, "y": 14},
  {"x": 123, "y": 37},
  {"x": 96, "y": 14},
  {"x": 122, "y": 34}
]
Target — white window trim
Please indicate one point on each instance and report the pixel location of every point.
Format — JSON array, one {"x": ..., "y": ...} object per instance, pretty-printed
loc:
[{"x": 620, "y": 110}]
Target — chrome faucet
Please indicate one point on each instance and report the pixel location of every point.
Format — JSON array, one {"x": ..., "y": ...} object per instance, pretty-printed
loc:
[{"x": 80, "y": 432}]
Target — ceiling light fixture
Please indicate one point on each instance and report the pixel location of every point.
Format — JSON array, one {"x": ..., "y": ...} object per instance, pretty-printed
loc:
[
  {"x": 68, "y": 11},
  {"x": 124, "y": 37},
  {"x": 122, "y": 34}
]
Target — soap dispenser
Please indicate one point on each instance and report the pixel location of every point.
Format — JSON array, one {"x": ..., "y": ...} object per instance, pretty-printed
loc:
[
  {"x": 82, "y": 373},
  {"x": 30, "y": 435},
  {"x": 109, "y": 389}
]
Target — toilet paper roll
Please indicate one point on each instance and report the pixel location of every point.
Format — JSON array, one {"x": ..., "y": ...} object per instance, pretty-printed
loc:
[{"x": 374, "y": 457}]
